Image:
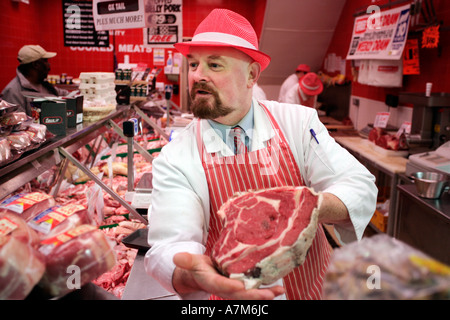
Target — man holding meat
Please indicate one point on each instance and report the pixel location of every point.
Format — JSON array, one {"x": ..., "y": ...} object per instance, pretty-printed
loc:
[{"x": 196, "y": 173}]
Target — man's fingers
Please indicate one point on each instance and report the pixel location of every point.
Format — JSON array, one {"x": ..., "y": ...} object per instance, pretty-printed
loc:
[{"x": 205, "y": 277}]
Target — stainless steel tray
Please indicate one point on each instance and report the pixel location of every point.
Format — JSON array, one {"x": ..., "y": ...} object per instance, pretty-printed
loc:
[{"x": 137, "y": 240}]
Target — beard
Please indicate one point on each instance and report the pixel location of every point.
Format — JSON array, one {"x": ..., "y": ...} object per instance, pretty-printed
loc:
[{"x": 204, "y": 108}]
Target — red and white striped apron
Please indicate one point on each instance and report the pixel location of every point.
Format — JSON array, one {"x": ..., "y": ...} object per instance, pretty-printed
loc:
[{"x": 266, "y": 168}]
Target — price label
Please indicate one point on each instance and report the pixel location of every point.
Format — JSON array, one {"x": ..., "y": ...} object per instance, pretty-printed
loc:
[
  {"x": 381, "y": 119},
  {"x": 404, "y": 128}
]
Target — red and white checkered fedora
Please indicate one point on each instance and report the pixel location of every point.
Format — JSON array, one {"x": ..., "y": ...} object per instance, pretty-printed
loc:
[
  {"x": 310, "y": 84},
  {"x": 225, "y": 28}
]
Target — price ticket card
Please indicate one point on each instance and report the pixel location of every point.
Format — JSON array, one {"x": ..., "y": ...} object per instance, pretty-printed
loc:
[
  {"x": 381, "y": 119},
  {"x": 405, "y": 128}
]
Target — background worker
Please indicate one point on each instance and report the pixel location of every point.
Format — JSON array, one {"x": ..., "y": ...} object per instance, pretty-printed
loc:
[
  {"x": 306, "y": 90},
  {"x": 292, "y": 80},
  {"x": 30, "y": 78}
]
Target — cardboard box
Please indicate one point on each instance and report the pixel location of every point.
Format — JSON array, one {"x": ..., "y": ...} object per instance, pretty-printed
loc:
[
  {"x": 380, "y": 220},
  {"x": 52, "y": 114},
  {"x": 74, "y": 110}
]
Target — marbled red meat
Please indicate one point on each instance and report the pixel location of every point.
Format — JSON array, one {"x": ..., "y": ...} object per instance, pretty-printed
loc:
[{"x": 266, "y": 233}]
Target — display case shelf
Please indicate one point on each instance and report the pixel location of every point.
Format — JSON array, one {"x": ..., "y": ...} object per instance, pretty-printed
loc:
[{"x": 51, "y": 153}]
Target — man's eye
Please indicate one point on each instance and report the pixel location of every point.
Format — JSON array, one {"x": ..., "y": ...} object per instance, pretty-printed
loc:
[
  {"x": 193, "y": 65},
  {"x": 215, "y": 65}
]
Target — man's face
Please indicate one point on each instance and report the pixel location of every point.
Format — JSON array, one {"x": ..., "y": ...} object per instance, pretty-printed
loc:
[
  {"x": 42, "y": 67},
  {"x": 300, "y": 74},
  {"x": 218, "y": 82}
]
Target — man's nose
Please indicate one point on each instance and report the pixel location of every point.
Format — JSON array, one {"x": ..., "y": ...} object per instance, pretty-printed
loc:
[{"x": 199, "y": 74}]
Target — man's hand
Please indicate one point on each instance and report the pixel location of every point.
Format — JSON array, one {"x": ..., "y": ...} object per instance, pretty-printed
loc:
[{"x": 196, "y": 272}]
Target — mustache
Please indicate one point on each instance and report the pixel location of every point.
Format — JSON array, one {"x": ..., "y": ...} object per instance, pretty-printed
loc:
[{"x": 202, "y": 86}]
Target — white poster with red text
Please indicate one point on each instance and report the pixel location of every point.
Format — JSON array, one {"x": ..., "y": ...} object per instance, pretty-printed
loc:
[
  {"x": 380, "y": 35},
  {"x": 164, "y": 23},
  {"x": 118, "y": 14}
]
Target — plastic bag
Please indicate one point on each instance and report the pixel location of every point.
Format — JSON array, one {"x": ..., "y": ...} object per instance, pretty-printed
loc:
[{"x": 381, "y": 268}]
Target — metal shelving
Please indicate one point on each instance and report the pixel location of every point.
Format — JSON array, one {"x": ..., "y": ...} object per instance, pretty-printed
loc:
[{"x": 53, "y": 152}]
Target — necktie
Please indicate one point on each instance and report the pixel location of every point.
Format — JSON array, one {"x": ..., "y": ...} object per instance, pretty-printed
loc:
[{"x": 239, "y": 146}]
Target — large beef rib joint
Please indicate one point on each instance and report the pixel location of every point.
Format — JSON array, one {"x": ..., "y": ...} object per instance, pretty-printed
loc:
[{"x": 266, "y": 233}]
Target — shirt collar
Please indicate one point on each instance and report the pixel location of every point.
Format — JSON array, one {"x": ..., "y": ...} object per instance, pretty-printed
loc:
[
  {"x": 246, "y": 124},
  {"x": 255, "y": 124}
]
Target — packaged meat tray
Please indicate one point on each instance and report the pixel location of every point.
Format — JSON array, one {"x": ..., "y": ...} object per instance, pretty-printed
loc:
[
  {"x": 6, "y": 107},
  {"x": 14, "y": 118},
  {"x": 74, "y": 258},
  {"x": 5, "y": 151},
  {"x": 19, "y": 141},
  {"x": 37, "y": 132},
  {"x": 59, "y": 219},
  {"x": 21, "y": 265},
  {"x": 27, "y": 205},
  {"x": 384, "y": 268}
]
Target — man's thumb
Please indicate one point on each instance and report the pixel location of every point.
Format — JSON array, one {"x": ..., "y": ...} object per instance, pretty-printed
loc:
[{"x": 183, "y": 260}]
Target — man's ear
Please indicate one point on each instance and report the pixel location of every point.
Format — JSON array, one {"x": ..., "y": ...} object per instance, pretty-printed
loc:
[{"x": 254, "y": 71}]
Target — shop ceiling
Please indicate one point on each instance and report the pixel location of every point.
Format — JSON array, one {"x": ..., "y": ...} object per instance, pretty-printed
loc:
[{"x": 297, "y": 31}]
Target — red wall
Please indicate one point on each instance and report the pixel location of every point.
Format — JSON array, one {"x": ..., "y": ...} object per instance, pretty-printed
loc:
[
  {"x": 433, "y": 68},
  {"x": 41, "y": 22}
]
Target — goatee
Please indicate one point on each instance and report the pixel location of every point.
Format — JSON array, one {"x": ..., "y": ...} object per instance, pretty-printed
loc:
[{"x": 204, "y": 108}]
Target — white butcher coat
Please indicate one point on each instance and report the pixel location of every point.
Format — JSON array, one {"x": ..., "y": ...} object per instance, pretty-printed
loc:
[
  {"x": 290, "y": 81},
  {"x": 180, "y": 210}
]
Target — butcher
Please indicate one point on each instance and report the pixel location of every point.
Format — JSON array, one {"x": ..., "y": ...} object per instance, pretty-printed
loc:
[
  {"x": 306, "y": 91},
  {"x": 204, "y": 166},
  {"x": 292, "y": 80}
]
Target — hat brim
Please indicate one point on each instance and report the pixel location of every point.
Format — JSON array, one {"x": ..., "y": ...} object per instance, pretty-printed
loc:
[
  {"x": 49, "y": 55},
  {"x": 260, "y": 57},
  {"x": 312, "y": 92},
  {"x": 305, "y": 70}
]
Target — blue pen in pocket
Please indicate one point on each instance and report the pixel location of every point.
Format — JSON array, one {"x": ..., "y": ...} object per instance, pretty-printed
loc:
[{"x": 313, "y": 133}]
